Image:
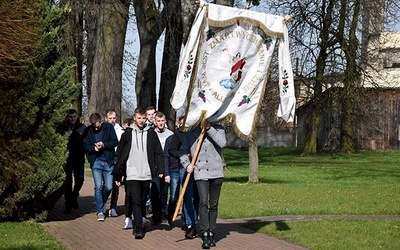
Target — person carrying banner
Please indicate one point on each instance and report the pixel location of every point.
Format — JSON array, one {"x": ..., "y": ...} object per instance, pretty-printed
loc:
[{"x": 208, "y": 174}]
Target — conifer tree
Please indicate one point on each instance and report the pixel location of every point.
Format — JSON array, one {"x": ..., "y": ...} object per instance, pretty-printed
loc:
[{"x": 35, "y": 95}]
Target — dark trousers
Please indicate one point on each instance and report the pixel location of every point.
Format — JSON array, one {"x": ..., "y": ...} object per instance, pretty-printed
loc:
[
  {"x": 209, "y": 192},
  {"x": 114, "y": 196},
  {"x": 135, "y": 200},
  {"x": 74, "y": 177},
  {"x": 159, "y": 195},
  {"x": 156, "y": 200}
]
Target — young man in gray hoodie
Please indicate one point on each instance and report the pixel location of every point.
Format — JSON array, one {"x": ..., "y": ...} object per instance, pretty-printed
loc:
[{"x": 140, "y": 158}]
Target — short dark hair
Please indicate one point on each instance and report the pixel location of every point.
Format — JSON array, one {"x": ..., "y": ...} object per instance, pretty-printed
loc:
[
  {"x": 71, "y": 111},
  {"x": 95, "y": 117},
  {"x": 110, "y": 111},
  {"x": 140, "y": 110},
  {"x": 159, "y": 114},
  {"x": 128, "y": 121},
  {"x": 150, "y": 108}
]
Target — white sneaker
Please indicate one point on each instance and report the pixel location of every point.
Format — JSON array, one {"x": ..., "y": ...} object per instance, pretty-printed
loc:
[
  {"x": 128, "y": 223},
  {"x": 112, "y": 213},
  {"x": 146, "y": 223},
  {"x": 100, "y": 216}
]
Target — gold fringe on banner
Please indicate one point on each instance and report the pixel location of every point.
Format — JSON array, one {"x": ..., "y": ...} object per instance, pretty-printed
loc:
[{"x": 236, "y": 20}]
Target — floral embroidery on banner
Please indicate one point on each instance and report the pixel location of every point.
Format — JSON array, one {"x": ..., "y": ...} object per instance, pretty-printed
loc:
[
  {"x": 210, "y": 34},
  {"x": 245, "y": 100},
  {"x": 268, "y": 43},
  {"x": 202, "y": 92},
  {"x": 202, "y": 95},
  {"x": 285, "y": 81},
  {"x": 189, "y": 67}
]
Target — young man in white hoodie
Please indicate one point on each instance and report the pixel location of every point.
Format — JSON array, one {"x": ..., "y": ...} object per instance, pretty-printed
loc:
[{"x": 111, "y": 117}]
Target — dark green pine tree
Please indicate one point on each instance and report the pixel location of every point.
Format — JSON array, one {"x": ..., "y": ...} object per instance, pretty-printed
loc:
[{"x": 34, "y": 100}]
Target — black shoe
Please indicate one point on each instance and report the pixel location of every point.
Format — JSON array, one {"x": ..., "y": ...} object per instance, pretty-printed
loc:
[
  {"x": 68, "y": 210},
  {"x": 183, "y": 227},
  {"x": 75, "y": 204},
  {"x": 155, "y": 222},
  {"x": 139, "y": 234},
  {"x": 205, "y": 243},
  {"x": 170, "y": 213},
  {"x": 170, "y": 222},
  {"x": 212, "y": 241},
  {"x": 191, "y": 232}
]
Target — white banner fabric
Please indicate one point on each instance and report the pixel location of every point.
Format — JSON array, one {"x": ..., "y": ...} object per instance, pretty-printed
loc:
[{"x": 225, "y": 64}]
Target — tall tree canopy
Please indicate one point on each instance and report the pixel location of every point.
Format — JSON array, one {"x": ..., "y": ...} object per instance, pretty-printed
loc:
[
  {"x": 18, "y": 37},
  {"x": 326, "y": 39}
]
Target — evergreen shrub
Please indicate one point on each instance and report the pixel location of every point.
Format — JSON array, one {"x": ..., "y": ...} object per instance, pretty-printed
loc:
[{"x": 34, "y": 101}]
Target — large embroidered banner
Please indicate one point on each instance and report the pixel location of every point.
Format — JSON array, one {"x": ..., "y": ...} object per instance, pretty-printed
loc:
[{"x": 224, "y": 67}]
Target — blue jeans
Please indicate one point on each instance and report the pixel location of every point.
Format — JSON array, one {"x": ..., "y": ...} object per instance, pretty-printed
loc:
[
  {"x": 103, "y": 183},
  {"x": 190, "y": 199},
  {"x": 174, "y": 186}
]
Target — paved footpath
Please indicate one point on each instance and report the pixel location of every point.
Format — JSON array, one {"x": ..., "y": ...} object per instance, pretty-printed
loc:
[{"x": 81, "y": 230}]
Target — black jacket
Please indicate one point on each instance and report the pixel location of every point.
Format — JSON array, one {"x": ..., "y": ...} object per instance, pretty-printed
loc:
[
  {"x": 110, "y": 141},
  {"x": 155, "y": 154}
]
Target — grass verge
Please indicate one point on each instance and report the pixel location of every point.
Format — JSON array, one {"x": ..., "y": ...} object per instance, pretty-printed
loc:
[{"x": 26, "y": 235}]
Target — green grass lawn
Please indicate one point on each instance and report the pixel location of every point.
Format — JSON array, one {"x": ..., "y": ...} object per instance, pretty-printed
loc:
[
  {"x": 336, "y": 233},
  {"x": 356, "y": 184}
]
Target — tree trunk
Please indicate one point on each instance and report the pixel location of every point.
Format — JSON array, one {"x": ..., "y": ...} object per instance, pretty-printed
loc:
[
  {"x": 91, "y": 25},
  {"x": 106, "y": 87},
  {"x": 74, "y": 45},
  {"x": 351, "y": 80},
  {"x": 170, "y": 62},
  {"x": 188, "y": 13},
  {"x": 145, "y": 85},
  {"x": 314, "y": 121},
  {"x": 150, "y": 26},
  {"x": 311, "y": 137},
  {"x": 253, "y": 159}
]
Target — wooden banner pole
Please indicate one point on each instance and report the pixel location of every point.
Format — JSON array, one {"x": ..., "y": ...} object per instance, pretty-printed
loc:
[{"x": 194, "y": 158}]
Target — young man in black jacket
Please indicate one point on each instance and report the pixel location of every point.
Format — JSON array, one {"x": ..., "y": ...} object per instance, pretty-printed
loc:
[
  {"x": 99, "y": 143},
  {"x": 75, "y": 167},
  {"x": 139, "y": 159}
]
